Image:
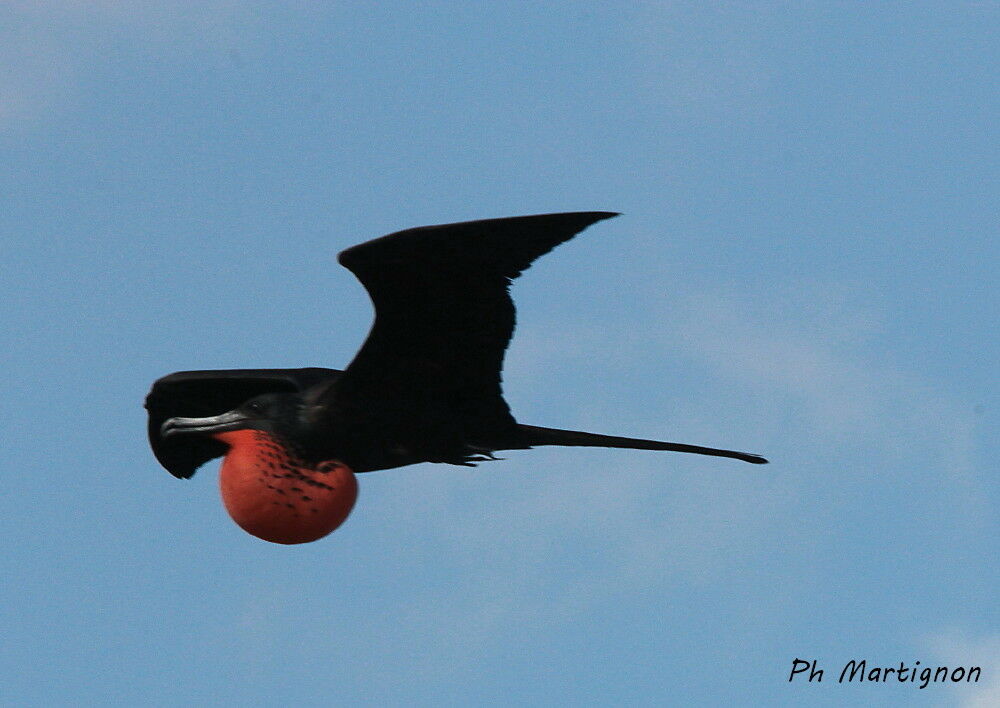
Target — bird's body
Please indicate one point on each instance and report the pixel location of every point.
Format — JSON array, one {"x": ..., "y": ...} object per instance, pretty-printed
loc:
[{"x": 425, "y": 386}]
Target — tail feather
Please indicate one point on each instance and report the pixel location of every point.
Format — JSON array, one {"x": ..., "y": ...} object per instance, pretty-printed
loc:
[{"x": 534, "y": 435}]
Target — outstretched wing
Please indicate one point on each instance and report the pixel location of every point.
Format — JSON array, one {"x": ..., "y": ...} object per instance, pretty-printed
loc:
[
  {"x": 443, "y": 319},
  {"x": 197, "y": 394}
]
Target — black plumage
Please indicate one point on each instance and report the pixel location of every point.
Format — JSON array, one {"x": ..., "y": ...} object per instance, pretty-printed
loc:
[{"x": 426, "y": 384}]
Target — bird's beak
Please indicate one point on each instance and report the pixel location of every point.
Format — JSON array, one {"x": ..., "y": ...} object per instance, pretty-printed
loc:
[{"x": 233, "y": 420}]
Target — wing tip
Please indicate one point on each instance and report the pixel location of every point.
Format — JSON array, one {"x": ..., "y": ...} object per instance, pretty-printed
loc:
[
  {"x": 592, "y": 217},
  {"x": 353, "y": 257},
  {"x": 595, "y": 216}
]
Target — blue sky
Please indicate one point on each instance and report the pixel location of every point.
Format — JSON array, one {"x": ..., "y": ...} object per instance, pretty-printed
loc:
[{"x": 805, "y": 269}]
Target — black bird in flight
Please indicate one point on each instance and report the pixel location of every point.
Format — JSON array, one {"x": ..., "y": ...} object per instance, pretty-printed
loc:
[{"x": 425, "y": 386}]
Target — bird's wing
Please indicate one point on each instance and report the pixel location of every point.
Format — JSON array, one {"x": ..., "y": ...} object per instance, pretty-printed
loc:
[
  {"x": 443, "y": 318},
  {"x": 197, "y": 394}
]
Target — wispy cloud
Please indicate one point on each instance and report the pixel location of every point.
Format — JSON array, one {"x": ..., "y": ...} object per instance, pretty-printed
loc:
[
  {"x": 50, "y": 50},
  {"x": 812, "y": 391},
  {"x": 687, "y": 72},
  {"x": 37, "y": 76},
  {"x": 808, "y": 353},
  {"x": 953, "y": 648}
]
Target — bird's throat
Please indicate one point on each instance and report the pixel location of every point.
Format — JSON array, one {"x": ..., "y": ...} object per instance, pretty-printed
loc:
[{"x": 275, "y": 495}]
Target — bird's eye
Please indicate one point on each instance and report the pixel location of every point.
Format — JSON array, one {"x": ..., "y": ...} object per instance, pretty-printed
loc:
[{"x": 255, "y": 407}]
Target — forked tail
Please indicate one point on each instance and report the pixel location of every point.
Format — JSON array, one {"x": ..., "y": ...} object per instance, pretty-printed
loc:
[{"x": 534, "y": 435}]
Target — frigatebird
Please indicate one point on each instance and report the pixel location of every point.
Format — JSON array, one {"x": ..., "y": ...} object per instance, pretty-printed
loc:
[{"x": 424, "y": 387}]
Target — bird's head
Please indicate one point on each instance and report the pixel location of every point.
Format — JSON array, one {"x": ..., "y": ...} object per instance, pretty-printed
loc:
[
  {"x": 279, "y": 414},
  {"x": 271, "y": 487}
]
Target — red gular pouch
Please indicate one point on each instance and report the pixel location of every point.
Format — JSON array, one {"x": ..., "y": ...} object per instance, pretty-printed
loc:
[{"x": 273, "y": 494}]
